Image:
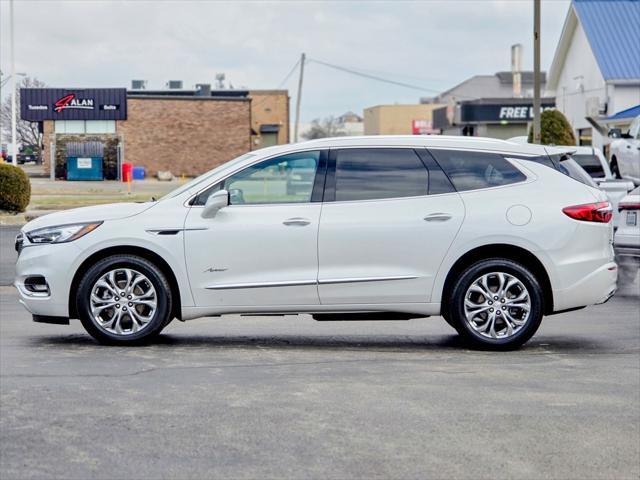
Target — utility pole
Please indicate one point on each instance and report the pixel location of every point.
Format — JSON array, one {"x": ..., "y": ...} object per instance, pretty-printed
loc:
[
  {"x": 297, "y": 124},
  {"x": 14, "y": 145},
  {"x": 536, "y": 72}
]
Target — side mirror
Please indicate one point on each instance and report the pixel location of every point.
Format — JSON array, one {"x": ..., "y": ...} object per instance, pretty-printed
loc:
[{"x": 215, "y": 202}]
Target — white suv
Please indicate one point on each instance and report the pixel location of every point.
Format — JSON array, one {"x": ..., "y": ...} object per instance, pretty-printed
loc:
[{"x": 487, "y": 233}]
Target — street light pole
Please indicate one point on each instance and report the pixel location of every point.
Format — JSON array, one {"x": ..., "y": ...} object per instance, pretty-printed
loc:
[
  {"x": 536, "y": 72},
  {"x": 14, "y": 145}
]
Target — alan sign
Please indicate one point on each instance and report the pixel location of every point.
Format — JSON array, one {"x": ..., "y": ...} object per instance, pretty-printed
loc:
[{"x": 38, "y": 104}]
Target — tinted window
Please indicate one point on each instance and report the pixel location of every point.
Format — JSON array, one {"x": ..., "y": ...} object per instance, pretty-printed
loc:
[
  {"x": 438, "y": 181},
  {"x": 366, "y": 174},
  {"x": 474, "y": 170},
  {"x": 569, "y": 167},
  {"x": 285, "y": 179},
  {"x": 542, "y": 159},
  {"x": 590, "y": 163}
]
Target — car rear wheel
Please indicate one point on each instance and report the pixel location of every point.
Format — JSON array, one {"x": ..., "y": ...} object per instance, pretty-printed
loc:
[
  {"x": 496, "y": 304},
  {"x": 124, "y": 300}
]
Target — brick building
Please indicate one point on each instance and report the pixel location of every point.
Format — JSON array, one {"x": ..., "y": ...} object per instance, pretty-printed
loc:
[
  {"x": 184, "y": 131},
  {"x": 269, "y": 117}
]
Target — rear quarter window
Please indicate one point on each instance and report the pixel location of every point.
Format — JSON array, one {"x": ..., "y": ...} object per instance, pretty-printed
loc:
[{"x": 475, "y": 170}]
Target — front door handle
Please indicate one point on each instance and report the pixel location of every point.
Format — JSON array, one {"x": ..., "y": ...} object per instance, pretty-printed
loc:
[
  {"x": 438, "y": 217},
  {"x": 296, "y": 222}
]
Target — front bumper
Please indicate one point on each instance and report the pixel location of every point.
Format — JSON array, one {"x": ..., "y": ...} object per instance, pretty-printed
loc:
[{"x": 56, "y": 263}]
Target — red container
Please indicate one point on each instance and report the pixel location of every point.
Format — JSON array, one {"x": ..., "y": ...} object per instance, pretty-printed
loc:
[{"x": 127, "y": 172}]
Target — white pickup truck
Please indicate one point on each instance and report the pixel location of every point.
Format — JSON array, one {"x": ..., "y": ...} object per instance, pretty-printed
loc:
[{"x": 625, "y": 152}]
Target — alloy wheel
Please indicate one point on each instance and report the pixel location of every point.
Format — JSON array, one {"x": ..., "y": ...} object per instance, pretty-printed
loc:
[
  {"x": 497, "y": 305},
  {"x": 123, "y": 301}
]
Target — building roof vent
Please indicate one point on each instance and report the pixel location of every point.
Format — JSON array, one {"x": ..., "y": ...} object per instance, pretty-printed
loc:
[
  {"x": 203, "y": 89},
  {"x": 174, "y": 84},
  {"x": 138, "y": 84}
]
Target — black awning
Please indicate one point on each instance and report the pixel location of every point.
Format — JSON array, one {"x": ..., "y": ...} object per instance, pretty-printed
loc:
[{"x": 269, "y": 128}]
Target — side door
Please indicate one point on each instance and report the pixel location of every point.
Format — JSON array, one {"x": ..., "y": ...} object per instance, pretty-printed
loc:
[
  {"x": 261, "y": 250},
  {"x": 386, "y": 224}
]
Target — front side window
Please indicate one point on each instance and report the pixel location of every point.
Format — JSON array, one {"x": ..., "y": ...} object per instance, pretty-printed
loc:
[
  {"x": 285, "y": 179},
  {"x": 378, "y": 173},
  {"x": 469, "y": 170}
]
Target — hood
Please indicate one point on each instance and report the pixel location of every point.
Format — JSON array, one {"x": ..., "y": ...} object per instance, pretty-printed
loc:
[{"x": 96, "y": 213}]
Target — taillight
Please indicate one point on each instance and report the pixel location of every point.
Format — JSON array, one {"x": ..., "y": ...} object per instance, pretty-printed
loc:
[
  {"x": 628, "y": 206},
  {"x": 600, "y": 212}
]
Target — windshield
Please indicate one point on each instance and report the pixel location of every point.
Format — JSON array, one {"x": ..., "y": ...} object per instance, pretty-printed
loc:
[{"x": 202, "y": 179}]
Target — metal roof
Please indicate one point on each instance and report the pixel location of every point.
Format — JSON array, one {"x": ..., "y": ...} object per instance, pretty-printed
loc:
[
  {"x": 628, "y": 113},
  {"x": 613, "y": 30}
]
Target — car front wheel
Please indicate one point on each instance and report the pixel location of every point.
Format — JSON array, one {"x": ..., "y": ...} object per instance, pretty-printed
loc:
[
  {"x": 496, "y": 304},
  {"x": 124, "y": 300}
]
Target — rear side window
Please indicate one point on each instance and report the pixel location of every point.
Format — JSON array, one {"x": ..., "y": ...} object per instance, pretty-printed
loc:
[
  {"x": 475, "y": 170},
  {"x": 590, "y": 163},
  {"x": 377, "y": 173}
]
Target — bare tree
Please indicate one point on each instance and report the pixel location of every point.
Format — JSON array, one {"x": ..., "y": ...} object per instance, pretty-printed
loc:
[
  {"x": 327, "y": 127},
  {"x": 27, "y": 133}
]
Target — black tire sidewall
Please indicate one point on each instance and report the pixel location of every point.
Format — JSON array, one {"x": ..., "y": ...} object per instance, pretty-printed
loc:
[
  {"x": 161, "y": 318},
  {"x": 464, "y": 281}
]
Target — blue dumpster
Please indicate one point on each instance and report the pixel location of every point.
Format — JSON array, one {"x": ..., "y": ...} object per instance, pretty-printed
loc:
[
  {"x": 84, "y": 168},
  {"x": 138, "y": 173}
]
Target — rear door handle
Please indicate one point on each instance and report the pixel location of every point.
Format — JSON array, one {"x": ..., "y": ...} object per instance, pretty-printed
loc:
[
  {"x": 296, "y": 222},
  {"x": 438, "y": 217}
]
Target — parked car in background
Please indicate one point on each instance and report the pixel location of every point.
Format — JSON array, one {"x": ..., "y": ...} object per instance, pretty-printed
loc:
[
  {"x": 626, "y": 241},
  {"x": 26, "y": 153},
  {"x": 625, "y": 152},
  {"x": 489, "y": 234}
]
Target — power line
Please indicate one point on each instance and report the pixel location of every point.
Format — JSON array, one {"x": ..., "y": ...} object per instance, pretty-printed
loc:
[
  {"x": 375, "y": 77},
  {"x": 293, "y": 69}
]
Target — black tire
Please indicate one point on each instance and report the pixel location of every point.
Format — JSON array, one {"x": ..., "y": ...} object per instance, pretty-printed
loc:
[
  {"x": 161, "y": 318},
  {"x": 455, "y": 307},
  {"x": 615, "y": 170}
]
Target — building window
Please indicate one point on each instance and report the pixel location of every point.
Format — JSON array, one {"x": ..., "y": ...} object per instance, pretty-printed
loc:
[
  {"x": 85, "y": 126},
  {"x": 100, "y": 126},
  {"x": 585, "y": 136},
  {"x": 69, "y": 126}
]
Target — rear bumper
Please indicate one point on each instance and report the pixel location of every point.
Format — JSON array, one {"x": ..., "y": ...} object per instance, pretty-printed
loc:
[{"x": 597, "y": 287}]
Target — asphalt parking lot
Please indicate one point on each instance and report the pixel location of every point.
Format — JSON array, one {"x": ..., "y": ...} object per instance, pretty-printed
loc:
[{"x": 287, "y": 397}]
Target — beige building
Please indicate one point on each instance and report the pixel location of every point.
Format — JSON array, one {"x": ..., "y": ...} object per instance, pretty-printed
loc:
[
  {"x": 269, "y": 118},
  {"x": 399, "y": 119}
]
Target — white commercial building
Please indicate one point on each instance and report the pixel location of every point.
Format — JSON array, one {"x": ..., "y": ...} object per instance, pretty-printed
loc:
[{"x": 596, "y": 68}]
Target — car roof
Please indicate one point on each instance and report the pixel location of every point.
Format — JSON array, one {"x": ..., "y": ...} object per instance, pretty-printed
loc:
[{"x": 428, "y": 141}]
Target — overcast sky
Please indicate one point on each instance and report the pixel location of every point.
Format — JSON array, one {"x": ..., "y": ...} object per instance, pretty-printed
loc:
[{"x": 432, "y": 44}]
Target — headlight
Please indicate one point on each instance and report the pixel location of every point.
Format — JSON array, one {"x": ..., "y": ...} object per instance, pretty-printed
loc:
[{"x": 61, "y": 233}]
